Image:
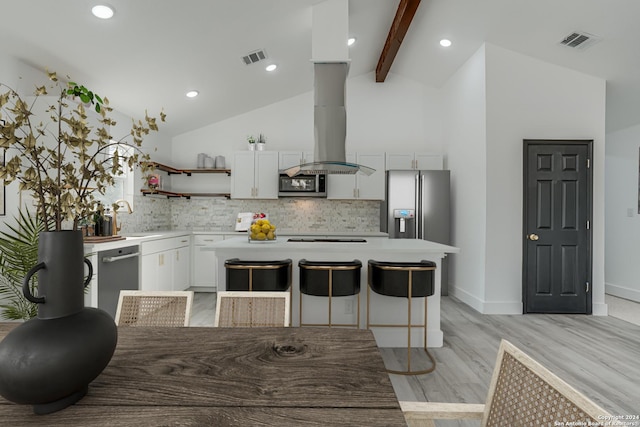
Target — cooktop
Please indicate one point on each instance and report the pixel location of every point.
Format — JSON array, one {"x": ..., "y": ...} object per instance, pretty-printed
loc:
[{"x": 324, "y": 240}]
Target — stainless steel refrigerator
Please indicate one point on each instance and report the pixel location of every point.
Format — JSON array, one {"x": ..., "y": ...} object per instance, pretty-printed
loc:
[{"x": 417, "y": 206}]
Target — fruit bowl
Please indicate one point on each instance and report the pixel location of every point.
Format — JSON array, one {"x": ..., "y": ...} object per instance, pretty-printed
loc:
[{"x": 261, "y": 230}]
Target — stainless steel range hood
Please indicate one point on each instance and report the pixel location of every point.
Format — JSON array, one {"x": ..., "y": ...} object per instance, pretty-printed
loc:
[
  {"x": 330, "y": 124},
  {"x": 330, "y": 77}
]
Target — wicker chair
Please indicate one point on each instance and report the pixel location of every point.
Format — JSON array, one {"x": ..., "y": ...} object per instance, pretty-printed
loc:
[
  {"x": 154, "y": 308},
  {"x": 522, "y": 393},
  {"x": 252, "y": 309}
]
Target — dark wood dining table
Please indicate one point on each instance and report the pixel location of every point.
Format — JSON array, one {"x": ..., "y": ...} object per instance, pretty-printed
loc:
[{"x": 231, "y": 377}]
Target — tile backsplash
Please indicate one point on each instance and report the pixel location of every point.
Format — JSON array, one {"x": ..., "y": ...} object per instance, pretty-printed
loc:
[{"x": 214, "y": 214}]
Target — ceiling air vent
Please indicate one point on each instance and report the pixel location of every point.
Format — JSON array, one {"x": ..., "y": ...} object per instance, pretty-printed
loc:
[
  {"x": 580, "y": 40},
  {"x": 255, "y": 56}
]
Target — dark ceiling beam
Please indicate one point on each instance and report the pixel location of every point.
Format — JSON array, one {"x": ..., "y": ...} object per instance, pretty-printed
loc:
[{"x": 404, "y": 15}]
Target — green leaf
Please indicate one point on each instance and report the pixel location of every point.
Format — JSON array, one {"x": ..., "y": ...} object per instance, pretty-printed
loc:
[{"x": 84, "y": 98}]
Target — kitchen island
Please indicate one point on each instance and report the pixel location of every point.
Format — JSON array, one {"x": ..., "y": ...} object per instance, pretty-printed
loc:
[{"x": 384, "y": 310}]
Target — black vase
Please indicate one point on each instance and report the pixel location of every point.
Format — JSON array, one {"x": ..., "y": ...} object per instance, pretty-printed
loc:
[{"x": 49, "y": 361}]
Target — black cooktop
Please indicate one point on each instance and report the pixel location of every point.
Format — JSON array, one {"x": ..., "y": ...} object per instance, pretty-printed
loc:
[{"x": 318, "y": 240}]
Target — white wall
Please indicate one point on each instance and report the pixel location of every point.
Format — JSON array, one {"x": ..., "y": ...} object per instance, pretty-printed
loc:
[
  {"x": 465, "y": 100},
  {"x": 622, "y": 225},
  {"x": 531, "y": 99},
  {"x": 399, "y": 114},
  {"x": 525, "y": 99}
]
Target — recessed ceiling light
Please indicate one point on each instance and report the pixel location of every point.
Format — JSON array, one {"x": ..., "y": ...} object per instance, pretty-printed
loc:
[
  {"x": 192, "y": 94},
  {"x": 102, "y": 11},
  {"x": 271, "y": 67},
  {"x": 351, "y": 41},
  {"x": 445, "y": 42}
]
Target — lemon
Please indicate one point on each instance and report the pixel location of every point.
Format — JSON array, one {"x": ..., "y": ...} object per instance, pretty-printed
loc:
[
  {"x": 261, "y": 236},
  {"x": 270, "y": 235}
]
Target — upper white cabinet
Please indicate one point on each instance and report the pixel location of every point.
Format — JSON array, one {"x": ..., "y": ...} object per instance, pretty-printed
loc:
[
  {"x": 255, "y": 175},
  {"x": 414, "y": 161},
  {"x": 289, "y": 159},
  {"x": 359, "y": 186}
]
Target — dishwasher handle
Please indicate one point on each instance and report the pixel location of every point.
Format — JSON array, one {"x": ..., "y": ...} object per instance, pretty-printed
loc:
[{"x": 119, "y": 258}]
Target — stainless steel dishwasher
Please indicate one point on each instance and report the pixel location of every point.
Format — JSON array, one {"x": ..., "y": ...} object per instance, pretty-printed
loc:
[{"x": 117, "y": 270}]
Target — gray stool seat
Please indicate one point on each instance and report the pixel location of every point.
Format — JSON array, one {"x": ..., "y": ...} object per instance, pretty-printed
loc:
[
  {"x": 403, "y": 280},
  {"x": 330, "y": 279}
]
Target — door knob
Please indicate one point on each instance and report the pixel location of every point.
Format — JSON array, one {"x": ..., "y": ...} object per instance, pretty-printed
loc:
[{"x": 533, "y": 237}]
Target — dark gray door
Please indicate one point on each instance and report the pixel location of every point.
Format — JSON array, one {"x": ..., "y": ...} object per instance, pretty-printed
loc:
[{"x": 557, "y": 222}]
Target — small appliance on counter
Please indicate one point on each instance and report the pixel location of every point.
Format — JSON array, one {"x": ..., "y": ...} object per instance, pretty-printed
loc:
[{"x": 243, "y": 221}]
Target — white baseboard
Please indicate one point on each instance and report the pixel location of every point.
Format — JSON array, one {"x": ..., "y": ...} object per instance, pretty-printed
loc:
[
  {"x": 622, "y": 292},
  {"x": 484, "y": 307},
  {"x": 600, "y": 309},
  {"x": 466, "y": 298}
]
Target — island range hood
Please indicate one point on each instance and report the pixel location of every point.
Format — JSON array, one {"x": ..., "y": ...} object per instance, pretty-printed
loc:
[{"x": 330, "y": 69}]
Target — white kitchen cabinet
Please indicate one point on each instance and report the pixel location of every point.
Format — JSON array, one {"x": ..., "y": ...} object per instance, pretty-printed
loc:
[
  {"x": 287, "y": 159},
  {"x": 181, "y": 268},
  {"x": 162, "y": 264},
  {"x": 255, "y": 175},
  {"x": 205, "y": 264},
  {"x": 414, "y": 161},
  {"x": 359, "y": 186}
]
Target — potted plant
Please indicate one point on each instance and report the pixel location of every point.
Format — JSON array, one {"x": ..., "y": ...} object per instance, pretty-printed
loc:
[
  {"x": 60, "y": 159},
  {"x": 252, "y": 142},
  {"x": 262, "y": 140},
  {"x": 18, "y": 253}
]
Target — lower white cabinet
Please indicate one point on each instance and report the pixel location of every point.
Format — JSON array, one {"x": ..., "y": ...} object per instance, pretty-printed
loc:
[
  {"x": 165, "y": 264},
  {"x": 205, "y": 262}
]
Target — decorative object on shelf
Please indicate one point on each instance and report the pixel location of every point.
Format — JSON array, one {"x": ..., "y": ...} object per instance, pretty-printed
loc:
[
  {"x": 261, "y": 229},
  {"x": 201, "y": 157},
  {"x": 153, "y": 181},
  {"x": 49, "y": 361},
  {"x": 262, "y": 140},
  {"x": 220, "y": 162},
  {"x": 61, "y": 159},
  {"x": 209, "y": 162},
  {"x": 252, "y": 142}
]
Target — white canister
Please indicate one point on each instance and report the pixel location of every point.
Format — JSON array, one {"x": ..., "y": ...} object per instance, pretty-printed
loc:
[
  {"x": 220, "y": 162},
  {"x": 208, "y": 162},
  {"x": 201, "y": 158}
]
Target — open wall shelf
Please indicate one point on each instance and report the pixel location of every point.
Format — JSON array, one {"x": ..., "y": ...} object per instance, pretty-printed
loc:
[
  {"x": 172, "y": 194},
  {"x": 175, "y": 171}
]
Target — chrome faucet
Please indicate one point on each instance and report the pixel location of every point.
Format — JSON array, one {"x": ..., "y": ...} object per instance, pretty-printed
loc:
[{"x": 116, "y": 204}]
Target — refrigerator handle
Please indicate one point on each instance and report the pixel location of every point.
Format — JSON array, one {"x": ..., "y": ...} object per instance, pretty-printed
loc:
[
  {"x": 422, "y": 234},
  {"x": 418, "y": 206}
]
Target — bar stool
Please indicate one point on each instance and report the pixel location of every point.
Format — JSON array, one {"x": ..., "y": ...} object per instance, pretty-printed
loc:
[
  {"x": 403, "y": 280},
  {"x": 330, "y": 279},
  {"x": 259, "y": 276}
]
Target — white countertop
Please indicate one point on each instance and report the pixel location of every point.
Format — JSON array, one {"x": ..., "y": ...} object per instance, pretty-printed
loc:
[
  {"x": 134, "y": 239},
  {"x": 378, "y": 245}
]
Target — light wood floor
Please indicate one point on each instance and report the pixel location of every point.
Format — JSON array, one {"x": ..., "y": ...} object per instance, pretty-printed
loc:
[{"x": 598, "y": 355}]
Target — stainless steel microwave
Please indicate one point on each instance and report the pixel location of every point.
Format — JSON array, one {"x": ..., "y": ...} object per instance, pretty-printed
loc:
[{"x": 302, "y": 185}]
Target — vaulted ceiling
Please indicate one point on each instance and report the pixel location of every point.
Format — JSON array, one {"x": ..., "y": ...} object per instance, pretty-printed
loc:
[{"x": 153, "y": 51}]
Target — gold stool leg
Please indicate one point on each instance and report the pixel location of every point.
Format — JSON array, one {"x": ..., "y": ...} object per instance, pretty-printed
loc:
[{"x": 433, "y": 360}]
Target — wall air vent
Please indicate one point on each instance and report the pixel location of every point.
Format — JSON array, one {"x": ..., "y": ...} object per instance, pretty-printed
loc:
[
  {"x": 255, "y": 56},
  {"x": 579, "y": 40}
]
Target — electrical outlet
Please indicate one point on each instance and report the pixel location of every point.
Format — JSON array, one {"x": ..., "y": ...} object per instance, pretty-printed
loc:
[{"x": 348, "y": 306}]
